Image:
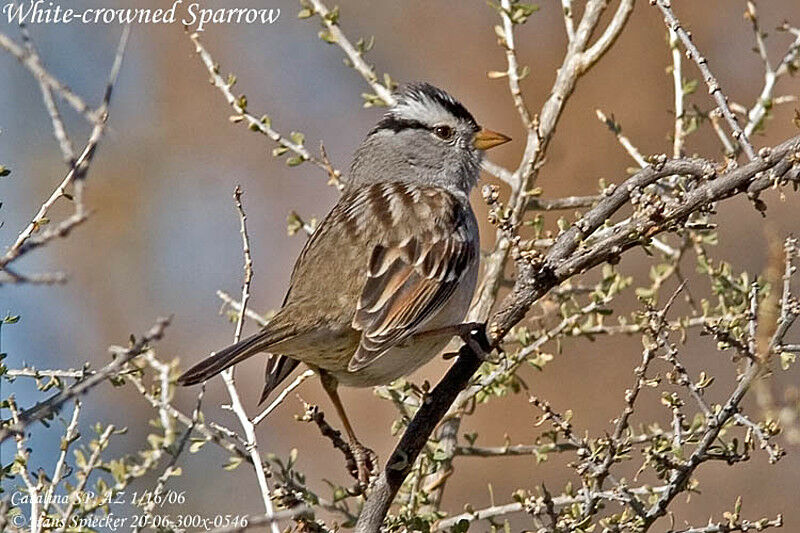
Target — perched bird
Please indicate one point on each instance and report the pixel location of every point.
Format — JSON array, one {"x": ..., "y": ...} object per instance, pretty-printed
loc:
[{"x": 386, "y": 279}]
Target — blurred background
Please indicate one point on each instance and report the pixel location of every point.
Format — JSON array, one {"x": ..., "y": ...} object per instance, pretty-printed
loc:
[{"x": 163, "y": 237}]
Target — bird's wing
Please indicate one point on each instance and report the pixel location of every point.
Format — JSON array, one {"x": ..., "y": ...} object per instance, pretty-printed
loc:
[{"x": 410, "y": 279}]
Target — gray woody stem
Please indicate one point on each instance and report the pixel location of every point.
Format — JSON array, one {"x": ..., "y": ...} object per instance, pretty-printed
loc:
[
  {"x": 714, "y": 88},
  {"x": 227, "y": 375}
]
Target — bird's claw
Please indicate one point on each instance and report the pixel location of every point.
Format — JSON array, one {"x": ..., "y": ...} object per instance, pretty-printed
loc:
[
  {"x": 474, "y": 335},
  {"x": 364, "y": 467}
]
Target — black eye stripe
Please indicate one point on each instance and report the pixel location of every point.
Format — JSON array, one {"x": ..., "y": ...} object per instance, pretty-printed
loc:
[{"x": 395, "y": 124}]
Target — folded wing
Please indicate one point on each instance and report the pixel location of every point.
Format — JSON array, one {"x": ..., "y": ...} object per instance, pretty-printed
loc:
[{"x": 408, "y": 284}]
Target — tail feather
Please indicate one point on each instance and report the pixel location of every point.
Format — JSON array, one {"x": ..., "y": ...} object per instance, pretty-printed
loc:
[
  {"x": 278, "y": 368},
  {"x": 233, "y": 354}
]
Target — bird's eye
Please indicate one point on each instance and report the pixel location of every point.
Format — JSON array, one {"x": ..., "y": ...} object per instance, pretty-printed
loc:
[{"x": 443, "y": 132}]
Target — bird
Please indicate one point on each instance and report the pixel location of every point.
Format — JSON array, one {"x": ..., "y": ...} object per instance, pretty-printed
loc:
[{"x": 387, "y": 277}]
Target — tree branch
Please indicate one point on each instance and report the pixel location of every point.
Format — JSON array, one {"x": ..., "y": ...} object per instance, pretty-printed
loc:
[{"x": 564, "y": 260}]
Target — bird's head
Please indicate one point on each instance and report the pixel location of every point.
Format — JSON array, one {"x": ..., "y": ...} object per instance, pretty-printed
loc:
[{"x": 427, "y": 136}]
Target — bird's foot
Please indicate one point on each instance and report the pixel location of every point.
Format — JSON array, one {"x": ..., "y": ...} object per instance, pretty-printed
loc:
[
  {"x": 363, "y": 467},
  {"x": 474, "y": 335}
]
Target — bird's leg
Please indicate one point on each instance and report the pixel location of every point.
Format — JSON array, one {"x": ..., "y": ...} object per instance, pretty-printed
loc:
[{"x": 364, "y": 457}]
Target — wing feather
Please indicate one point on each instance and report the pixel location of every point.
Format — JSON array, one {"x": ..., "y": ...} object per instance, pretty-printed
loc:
[{"x": 407, "y": 284}]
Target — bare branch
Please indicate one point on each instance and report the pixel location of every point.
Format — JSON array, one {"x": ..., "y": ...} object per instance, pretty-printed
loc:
[
  {"x": 569, "y": 22},
  {"x": 714, "y": 88},
  {"x": 765, "y": 100},
  {"x": 677, "y": 88},
  {"x": 616, "y": 129},
  {"x": 535, "y": 507},
  {"x": 227, "y": 375},
  {"x": 237, "y": 306},
  {"x": 610, "y": 35},
  {"x": 59, "y": 131},
  {"x": 355, "y": 56},
  {"x": 53, "y": 404},
  {"x": 282, "y": 396},
  {"x": 31, "y": 62},
  {"x": 513, "y": 72},
  {"x": 555, "y": 204},
  {"x": 239, "y": 105}
]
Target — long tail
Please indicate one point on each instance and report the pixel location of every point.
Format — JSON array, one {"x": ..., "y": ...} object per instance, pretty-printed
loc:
[{"x": 233, "y": 354}]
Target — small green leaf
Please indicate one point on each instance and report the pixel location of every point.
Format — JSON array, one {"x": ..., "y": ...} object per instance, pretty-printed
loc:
[
  {"x": 520, "y": 12},
  {"x": 787, "y": 359},
  {"x": 690, "y": 86},
  {"x": 80, "y": 458},
  {"x": 232, "y": 463},
  {"x": 327, "y": 36},
  {"x": 196, "y": 444},
  {"x": 333, "y": 15}
]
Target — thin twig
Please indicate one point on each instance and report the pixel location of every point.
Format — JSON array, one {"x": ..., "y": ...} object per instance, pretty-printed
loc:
[
  {"x": 227, "y": 375},
  {"x": 355, "y": 57},
  {"x": 765, "y": 100},
  {"x": 33, "y": 65},
  {"x": 677, "y": 88},
  {"x": 569, "y": 21},
  {"x": 727, "y": 527},
  {"x": 59, "y": 130},
  {"x": 714, "y": 88},
  {"x": 282, "y": 396},
  {"x": 54, "y": 403},
  {"x": 237, "y": 306},
  {"x": 609, "y": 35},
  {"x": 556, "y": 204},
  {"x": 536, "y": 508},
  {"x": 70, "y": 436},
  {"x": 253, "y": 122},
  {"x": 83, "y": 477},
  {"x": 513, "y": 68},
  {"x": 616, "y": 129},
  {"x": 23, "y": 456}
]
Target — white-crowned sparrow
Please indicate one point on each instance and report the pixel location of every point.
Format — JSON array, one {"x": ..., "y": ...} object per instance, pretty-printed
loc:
[{"x": 394, "y": 260}]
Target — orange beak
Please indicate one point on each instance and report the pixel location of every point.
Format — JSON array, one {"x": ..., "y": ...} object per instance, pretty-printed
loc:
[{"x": 486, "y": 139}]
